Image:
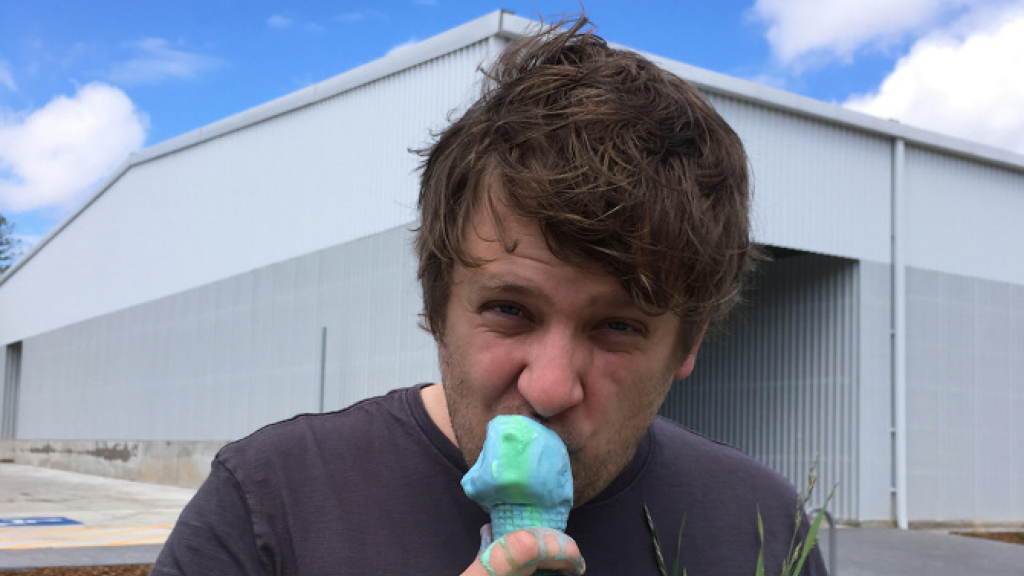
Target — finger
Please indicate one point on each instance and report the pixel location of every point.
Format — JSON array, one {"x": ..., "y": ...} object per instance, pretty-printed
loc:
[
  {"x": 558, "y": 548},
  {"x": 524, "y": 551},
  {"x": 486, "y": 538}
]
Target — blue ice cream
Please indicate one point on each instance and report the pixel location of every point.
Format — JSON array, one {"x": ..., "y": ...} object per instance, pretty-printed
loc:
[{"x": 523, "y": 477}]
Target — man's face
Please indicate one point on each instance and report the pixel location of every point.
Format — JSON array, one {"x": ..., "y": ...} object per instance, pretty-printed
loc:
[{"x": 527, "y": 333}]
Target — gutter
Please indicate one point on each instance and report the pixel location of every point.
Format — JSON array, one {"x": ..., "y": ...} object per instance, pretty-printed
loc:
[{"x": 899, "y": 336}]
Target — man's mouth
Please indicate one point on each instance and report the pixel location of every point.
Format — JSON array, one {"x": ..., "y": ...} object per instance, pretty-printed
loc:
[{"x": 572, "y": 449}]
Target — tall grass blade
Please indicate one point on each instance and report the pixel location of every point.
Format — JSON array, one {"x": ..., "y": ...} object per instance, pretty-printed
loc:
[
  {"x": 759, "y": 571},
  {"x": 679, "y": 549},
  {"x": 657, "y": 544},
  {"x": 812, "y": 535}
]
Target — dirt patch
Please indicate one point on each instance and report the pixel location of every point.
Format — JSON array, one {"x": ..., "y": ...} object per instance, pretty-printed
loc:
[
  {"x": 137, "y": 570},
  {"x": 1011, "y": 537}
]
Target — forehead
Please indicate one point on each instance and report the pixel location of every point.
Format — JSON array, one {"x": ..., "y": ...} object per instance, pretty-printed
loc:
[
  {"x": 493, "y": 226},
  {"x": 514, "y": 258}
]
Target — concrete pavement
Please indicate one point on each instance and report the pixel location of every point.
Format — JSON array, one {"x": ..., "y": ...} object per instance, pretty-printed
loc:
[
  {"x": 119, "y": 522},
  {"x": 126, "y": 522},
  {"x": 891, "y": 552}
]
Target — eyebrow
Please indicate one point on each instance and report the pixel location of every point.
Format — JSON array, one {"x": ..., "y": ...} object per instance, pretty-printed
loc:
[
  {"x": 618, "y": 301},
  {"x": 506, "y": 288},
  {"x": 502, "y": 286}
]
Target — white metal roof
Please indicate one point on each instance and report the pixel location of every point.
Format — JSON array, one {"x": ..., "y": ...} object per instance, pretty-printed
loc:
[{"x": 505, "y": 25}]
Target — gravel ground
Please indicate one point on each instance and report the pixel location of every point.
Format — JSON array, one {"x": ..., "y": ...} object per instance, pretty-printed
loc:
[{"x": 1011, "y": 537}]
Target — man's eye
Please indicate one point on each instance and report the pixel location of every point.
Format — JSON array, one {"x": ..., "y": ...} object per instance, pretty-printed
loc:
[
  {"x": 509, "y": 309},
  {"x": 619, "y": 326}
]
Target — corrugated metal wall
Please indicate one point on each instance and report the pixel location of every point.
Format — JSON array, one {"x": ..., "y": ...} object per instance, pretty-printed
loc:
[
  {"x": 317, "y": 176},
  {"x": 146, "y": 343},
  {"x": 875, "y": 409},
  {"x": 965, "y": 399},
  {"x": 10, "y": 367},
  {"x": 964, "y": 217},
  {"x": 818, "y": 186},
  {"x": 218, "y": 361},
  {"x": 6, "y": 421},
  {"x": 780, "y": 381}
]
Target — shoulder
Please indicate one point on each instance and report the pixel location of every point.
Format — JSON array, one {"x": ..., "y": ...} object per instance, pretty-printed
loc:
[
  {"x": 726, "y": 500},
  {"x": 329, "y": 436},
  {"x": 690, "y": 448},
  {"x": 685, "y": 454}
]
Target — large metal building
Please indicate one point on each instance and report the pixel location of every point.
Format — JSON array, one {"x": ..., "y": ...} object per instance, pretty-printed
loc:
[{"x": 261, "y": 267}]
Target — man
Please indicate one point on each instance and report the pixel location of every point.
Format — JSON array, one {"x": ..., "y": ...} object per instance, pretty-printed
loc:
[{"x": 582, "y": 224}]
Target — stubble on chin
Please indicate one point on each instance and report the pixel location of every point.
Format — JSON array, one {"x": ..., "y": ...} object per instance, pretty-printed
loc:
[
  {"x": 595, "y": 472},
  {"x": 592, "y": 476},
  {"x": 468, "y": 441},
  {"x": 592, "y": 473},
  {"x": 592, "y": 469},
  {"x": 456, "y": 396}
]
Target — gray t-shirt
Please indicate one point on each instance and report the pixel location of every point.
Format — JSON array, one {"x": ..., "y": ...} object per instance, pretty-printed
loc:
[{"x": 374, "y": 489}]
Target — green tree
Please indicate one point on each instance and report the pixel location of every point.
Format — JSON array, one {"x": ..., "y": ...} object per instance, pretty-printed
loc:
[{"x": 9, "y": 245}]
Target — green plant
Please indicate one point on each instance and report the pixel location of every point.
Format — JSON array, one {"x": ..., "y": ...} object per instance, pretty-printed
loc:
[
  {"x": 657, "y": 545},
  {"x": 798, "y": 551}
]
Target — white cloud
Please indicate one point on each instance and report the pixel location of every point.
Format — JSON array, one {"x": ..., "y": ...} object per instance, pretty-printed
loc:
[
  {"x": 967, "y": 84},
  {"x": 351, "y": 17},
  {"x": 359, "y": 16},
  {"x": 156, "y": 61},
  {"x": 769, "y": 79},
  {"x": 51, "y": 157},
  {"x": 403, "y": 46},
  {"x": 279, "y": 22},
  {"x": 6, "y": 78},
  {"x": 802, "y": 29}
]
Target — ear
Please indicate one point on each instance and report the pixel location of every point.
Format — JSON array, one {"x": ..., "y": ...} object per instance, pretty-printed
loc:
[{"x": 687, "y": 362}]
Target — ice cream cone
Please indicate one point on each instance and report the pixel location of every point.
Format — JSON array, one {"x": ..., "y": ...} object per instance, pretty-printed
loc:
[
  {"x": 507, "y": 518},
  {"x": 523, "y": 477}
]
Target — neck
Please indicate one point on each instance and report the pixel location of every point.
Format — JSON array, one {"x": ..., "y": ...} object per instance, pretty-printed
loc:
[{"x": 437, "y": 408}]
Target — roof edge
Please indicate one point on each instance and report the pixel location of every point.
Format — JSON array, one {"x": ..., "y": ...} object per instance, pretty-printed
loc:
[
  {"x": 715, "y": 83},
  {"x": 107, "y": 183},
  {"x": 499, "y": 22},
  {"x": 507, "y": 25},
  {"x": 446, "y": 42}
]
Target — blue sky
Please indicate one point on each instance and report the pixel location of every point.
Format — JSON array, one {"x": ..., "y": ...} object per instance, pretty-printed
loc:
[{"x": 83, "y": 84}]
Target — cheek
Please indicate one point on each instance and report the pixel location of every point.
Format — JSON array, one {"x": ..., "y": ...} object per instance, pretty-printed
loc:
[
  {"x": 626, "y": 385},
  {"x": 619, "y": 375},
  {"x": 488, "y": 365}
]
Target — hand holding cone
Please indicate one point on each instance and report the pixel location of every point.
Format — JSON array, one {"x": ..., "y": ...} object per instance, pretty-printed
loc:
[{"x": 522, "y": 478}]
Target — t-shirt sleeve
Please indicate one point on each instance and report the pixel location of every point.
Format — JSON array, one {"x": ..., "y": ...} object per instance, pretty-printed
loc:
[{"x": 214, "y": 534}]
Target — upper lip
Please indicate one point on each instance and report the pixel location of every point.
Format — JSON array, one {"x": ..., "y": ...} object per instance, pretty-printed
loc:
[{"x": 547, "y": 423}]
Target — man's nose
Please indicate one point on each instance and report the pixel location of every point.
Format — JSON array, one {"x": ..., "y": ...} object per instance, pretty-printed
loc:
[{"x": 552, "y": 380}]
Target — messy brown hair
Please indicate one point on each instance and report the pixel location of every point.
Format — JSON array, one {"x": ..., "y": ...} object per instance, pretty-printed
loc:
[{"x": 623, "y": 164}]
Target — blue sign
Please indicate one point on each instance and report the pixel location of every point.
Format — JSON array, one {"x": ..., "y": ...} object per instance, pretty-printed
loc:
[{"x": 36, "y": 521}]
